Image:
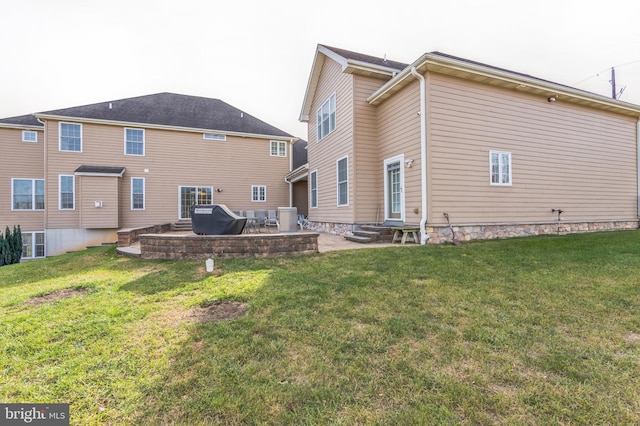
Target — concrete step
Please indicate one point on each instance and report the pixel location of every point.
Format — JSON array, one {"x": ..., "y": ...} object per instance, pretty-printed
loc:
[
  {"x": 181, "y": 225},
  {"x": 357, "y": 239}
]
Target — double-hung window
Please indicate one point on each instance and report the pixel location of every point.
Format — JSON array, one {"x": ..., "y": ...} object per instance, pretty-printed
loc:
[
  {"x": 258, "y": 193},
  {"x": 327, "y": 117},
  {"x": 343, "y": 181},
  {"x": 278, "y": 149},
  {"x": 29, "y": 136},
  {"x": 27, "y": 194},
  {"x": 67, "y": 192},
  {"x": 137, "y": 193},
  {"x": 32, "y": 245},
  {"x": 500, "y": 168},
  {"x": 71, "y": 137},
  {"x": 134, "y": 141},
  {"x": 313, "y": 187}
]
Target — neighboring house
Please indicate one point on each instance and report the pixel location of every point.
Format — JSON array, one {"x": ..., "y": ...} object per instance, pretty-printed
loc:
[
  {"x": 137, "y": 162},
  {"x": 498, "y": 151}
]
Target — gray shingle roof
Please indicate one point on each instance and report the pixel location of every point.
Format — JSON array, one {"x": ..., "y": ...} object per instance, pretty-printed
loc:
[
  {"x": 22, "y": 120},
  {"x": 170, "y": 109},
  {"x": 347, "y": 54},
  {"x": 107, "y": 170}
]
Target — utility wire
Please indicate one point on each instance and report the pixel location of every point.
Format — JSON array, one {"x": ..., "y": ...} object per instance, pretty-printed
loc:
[{"x": 606, "y": 69}]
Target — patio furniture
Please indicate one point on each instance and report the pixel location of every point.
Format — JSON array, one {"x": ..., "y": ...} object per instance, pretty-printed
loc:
[
  {"x": 272, "y": 219},
  {"x": 261, "y": 216},
  {"x": 252, "y": 222},
  {"x": 401, "y": 233}
]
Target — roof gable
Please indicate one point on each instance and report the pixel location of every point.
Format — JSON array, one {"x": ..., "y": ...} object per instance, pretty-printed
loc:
[
  {"x": 171, "y": 110},
  {"x": 351, "y": 63}
]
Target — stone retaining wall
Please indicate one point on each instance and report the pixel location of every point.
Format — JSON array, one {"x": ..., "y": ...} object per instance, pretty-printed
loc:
[
  {"x": 126, "y": 237},
  {"x": 169, "y": 246}
]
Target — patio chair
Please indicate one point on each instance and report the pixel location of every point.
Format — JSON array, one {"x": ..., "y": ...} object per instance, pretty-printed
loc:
[
  {"x": 302, "y": 221},
  {"x": 272, "y": 219},
  {"x": 252, "y": 221},
  {"x": 261, "y": 218}
]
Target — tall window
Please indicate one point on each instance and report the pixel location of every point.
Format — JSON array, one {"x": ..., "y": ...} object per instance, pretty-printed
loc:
[
  {"x": 500, "y": 168},
  {"x": 32, "y": 245},
  {"x": 29, "y": 136},
  {"x": 258, "y": 193},
  {"x": 27, "y": 194},
  {"x": 327, "y": 117},
  {"x": 313, "y": 177},
  {"x": 278, "y": 149},
  {"x": 67, "y": 192},
  {"x": 70, "y": 137},
  {"x": 343, "y": 181},
  {"x": 137, "y": 193},
  {"x": 134, "y": 141}
]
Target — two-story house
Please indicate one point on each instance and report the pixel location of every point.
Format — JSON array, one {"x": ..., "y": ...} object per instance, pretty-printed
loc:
[
  {"x": 497, "y": 152},
  {"x": 79, "y": 174}
]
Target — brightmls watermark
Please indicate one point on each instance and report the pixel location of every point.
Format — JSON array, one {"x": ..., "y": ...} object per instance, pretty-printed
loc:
[{"x": 34, "y": 414}]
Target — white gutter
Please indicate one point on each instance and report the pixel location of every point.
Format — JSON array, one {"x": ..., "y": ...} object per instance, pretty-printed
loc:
[{"x": 423, "y": 153}]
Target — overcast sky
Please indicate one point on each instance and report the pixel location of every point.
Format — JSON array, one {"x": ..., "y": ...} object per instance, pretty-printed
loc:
[{"x": 257, "y": 55}]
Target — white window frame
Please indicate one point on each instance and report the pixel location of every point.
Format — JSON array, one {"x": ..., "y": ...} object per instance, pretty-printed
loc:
[
  {"x": 34, "y": 202},
  {"x": 280, "y": 149},
  {"x": 60, "y": 125},
  {"x": 339, "y": 182},
  {"x": 73, "y": 192},
  {"x": 313, "y": 189},
  {"x": 261, "y": 193},
  {"x": 144, "y": 136},
  {"x": 330, "y": 105},
  {"x": 500, "y": 165},
  {"x": 214, "y": 137},
  {"x": 144, "y": 194},
  {"x": 197, "y": 188},
  {"x": 33, "y": 246},
  {"x": 29, "y": 136}
]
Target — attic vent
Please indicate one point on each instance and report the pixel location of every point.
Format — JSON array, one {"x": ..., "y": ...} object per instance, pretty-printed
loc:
[
  {"x": 110, "y": 105},
  {"x": 214, "y": 137}
]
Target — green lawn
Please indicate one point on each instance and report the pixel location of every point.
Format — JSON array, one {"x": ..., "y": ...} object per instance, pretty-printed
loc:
[{"x": 542, "y": 330}]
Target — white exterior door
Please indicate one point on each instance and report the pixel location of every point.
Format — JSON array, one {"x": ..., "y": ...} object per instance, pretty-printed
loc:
[{"x": 394, "y": 189}]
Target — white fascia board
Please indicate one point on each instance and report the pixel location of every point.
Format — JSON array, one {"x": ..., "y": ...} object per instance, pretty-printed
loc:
[
  {"x": 21, "y": 126},
  {"x": 159, "y": 127},
  {"x": 427, "y": 60}
]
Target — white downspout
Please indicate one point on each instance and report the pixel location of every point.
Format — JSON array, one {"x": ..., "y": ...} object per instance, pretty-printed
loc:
[
  {"x": 638, "y": 162},
  {"x": 423, "y": 153}
]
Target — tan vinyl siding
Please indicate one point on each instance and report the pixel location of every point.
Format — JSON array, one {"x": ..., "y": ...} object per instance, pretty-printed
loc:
[
  {"x": 98, "y": 188},
  {"x": 324, "y": 154},
  {"x": 368, "y": 179},
  {"x": 563, "y": 156},
  {"x": 172, "y": 159},
  {"x": 399, "y": 125},
  {"x": 26, "y": 162}
]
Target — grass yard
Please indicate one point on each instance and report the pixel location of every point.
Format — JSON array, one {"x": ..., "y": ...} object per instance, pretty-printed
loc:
[{"x": 542, "y": 330}]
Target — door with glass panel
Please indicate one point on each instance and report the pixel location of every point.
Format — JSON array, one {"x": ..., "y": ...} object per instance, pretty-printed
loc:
[
  {"x": 190, "y": 195},
  {"x": 393, "y": 191}
]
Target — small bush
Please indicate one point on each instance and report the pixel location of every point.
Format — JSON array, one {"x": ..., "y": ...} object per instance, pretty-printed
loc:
[{"x": 10, "y": 246}]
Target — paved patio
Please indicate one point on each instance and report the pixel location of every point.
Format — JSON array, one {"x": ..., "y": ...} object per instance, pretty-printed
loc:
[{"x": 326, "y": 243}]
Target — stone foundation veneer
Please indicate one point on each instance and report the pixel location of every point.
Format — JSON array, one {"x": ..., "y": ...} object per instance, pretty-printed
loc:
[
  {"x": 331, "y": 228},
  {"x": 167, "y": 246},
  {"x": 442, "y": 233}
]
